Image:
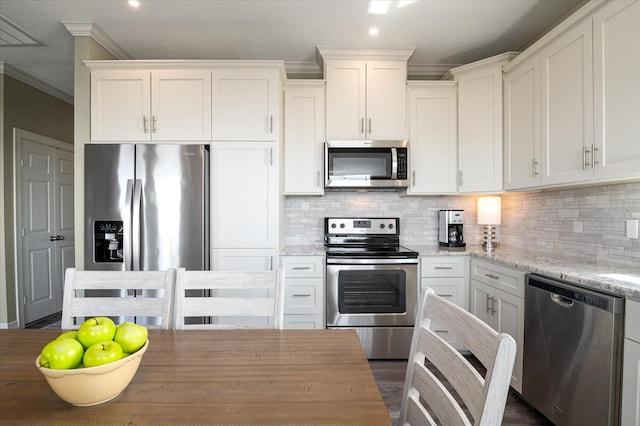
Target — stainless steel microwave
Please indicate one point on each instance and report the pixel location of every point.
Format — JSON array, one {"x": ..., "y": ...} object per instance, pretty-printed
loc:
[{"x": 366, "y": 164}]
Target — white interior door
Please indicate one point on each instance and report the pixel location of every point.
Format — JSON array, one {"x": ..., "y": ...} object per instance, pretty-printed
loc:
[{"x": 45, "y": 224}]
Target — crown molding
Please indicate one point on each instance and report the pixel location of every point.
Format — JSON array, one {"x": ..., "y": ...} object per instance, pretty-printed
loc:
[
  {"x": 401, "y": 53},
  {"x": 35, "y": 83},
  {"x": 89, "y": 29}
]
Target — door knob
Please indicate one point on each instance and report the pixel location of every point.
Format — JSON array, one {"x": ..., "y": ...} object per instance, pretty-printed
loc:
[{"x": 56, "y": 238}]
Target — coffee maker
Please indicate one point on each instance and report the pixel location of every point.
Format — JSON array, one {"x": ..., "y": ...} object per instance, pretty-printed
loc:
[{"x": 450, "y": 228}]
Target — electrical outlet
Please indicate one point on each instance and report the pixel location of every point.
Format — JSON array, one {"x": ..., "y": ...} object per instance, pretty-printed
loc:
[{"x": 632, "y": 228}]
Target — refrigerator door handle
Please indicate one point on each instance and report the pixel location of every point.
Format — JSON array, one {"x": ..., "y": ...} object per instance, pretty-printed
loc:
[
  {"x": 126, "y": 237},
  {"x": 135, "y": 224}
]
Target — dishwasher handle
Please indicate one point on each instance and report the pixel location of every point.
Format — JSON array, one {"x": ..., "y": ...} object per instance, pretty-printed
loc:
[{"x": 568, "y": 294}]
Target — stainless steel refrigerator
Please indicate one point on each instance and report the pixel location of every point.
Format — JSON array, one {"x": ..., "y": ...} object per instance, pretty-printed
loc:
[{"x": 146, "y": 208}]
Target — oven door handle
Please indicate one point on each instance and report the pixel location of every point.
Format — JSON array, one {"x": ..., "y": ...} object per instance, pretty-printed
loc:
[{"x": 385, "y": 261}]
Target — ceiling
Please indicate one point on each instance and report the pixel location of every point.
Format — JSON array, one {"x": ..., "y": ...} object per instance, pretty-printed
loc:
[{"x": 444, "y": 33}]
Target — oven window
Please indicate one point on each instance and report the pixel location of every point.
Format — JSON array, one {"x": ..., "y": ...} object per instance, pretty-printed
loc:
[
  {"x": 346, "y": 163},
  {"x": 372, "y": 291}
]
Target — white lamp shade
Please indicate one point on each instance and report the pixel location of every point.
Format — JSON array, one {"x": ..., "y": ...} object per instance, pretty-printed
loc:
[{"x": 489, "y": 210}]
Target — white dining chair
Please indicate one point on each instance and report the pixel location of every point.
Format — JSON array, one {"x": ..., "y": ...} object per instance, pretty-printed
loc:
[
  {"x": 143, "y": 294},
  {"x": 229, "y": 299},
  {"x": 480, "y": 400}
]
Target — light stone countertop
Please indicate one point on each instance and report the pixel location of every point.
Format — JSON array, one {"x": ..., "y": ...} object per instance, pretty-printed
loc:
[{"x": 610, "y": 278}]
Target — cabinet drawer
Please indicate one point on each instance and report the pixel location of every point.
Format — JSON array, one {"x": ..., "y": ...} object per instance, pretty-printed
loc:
[
  {"x": 303, "y": 266},
  {"x": 306, "y": 322},
  {"x": 450, "y": 292},
  {"x": 632, "y": 320},
  {"x": 500, "y": 277},
  {"x": 303, "y": 296},
  {"x": 443, "y": 266}
]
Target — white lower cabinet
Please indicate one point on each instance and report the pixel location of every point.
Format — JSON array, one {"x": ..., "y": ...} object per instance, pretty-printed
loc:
[
  {"x": 303, "y": 292},
  {"x": 630, "y": 412},
  {"x": 448, "y": 277},
  {"x": 497, "y": 298}
]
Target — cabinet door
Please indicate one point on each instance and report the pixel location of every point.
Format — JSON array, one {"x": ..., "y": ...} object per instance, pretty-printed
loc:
[
  {"x": 480, "y": 303},
  {"x": 245, "y": 105},
  {"x": 386, "y": 100},
  {"x": 567, "y": 102},
  {"x": 120, "y": 105},
  {"x": 630, "y": 415},
  {"x": 433, "y": 135},
  {"x": 304, "y": 139},
  {"x": 480, "y": 130},
  {"x": 522, "y": 125},
  {"x": 508, "y": 316},
  {"x": 244, "y": 195},
  {"x": 346, "y": 99},
  {"x": 617, "y": 90},
  {"x": 181, "y": 105}
]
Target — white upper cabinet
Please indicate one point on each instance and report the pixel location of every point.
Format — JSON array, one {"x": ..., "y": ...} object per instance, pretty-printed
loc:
[
  {"x": 480, "y": 124},
  {"x": 433, "y": 135},
  {"x": 304, "y": 113},
  {"x": 246, "y": 104},
  {"x": 616, "y": 43},
  {"x": 567, "y": 102},
  {"x": 572, "y": 102},
  {"x": 131, "y": 105},
  {"x": 522, "y": 155},
  {"x": 366, "y": 93}
]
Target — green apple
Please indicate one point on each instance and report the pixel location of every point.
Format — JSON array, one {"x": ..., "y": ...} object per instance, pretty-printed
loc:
[
  {"x": 62, "y": 354},
  {"x": 102, "y": 353},
  {"x": 96, "y": 329},
  {"x": 131, "y": 336},
  {"x": 68, "y": 335}
]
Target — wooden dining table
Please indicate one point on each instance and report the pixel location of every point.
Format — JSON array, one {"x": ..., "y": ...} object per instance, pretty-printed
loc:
[{"x": 223, "y": 377}]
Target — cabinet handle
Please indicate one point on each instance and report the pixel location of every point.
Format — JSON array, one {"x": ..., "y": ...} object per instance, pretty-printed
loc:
[
  {"x": 534, "y": 163},
  {"x": 443, "y": 267},
  {"x": 362, "y": 125},
  {"x": 495, "y": 277},
  {"x": 154, "y": 126},
  {"x": 593, "y": 156},
  {"x": 413, "y": 178},
  {"x": 369, "y": 125},
  {"x": 271, "y": 124},
  {"x": 145, "y": 125},
  {"x": 445, "y": 295},
  {"x": 271, "y": 156},
  {"x": 459, "y": 177},
  {"x": 271, "y": 263},
  {"x": 301, "y": 268},
  {"x": 301, "y": 295},
  {"x": 488, "y": 301},
  {"x": 585, "y": 151},
  {"x": 493, "y": 305}
]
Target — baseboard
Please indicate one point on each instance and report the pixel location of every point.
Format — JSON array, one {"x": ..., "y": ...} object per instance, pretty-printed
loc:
[{"x": 12, "y": 324}]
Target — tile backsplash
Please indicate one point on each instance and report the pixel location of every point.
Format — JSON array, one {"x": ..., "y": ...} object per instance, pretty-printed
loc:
[{"x": 585, "y": 223}]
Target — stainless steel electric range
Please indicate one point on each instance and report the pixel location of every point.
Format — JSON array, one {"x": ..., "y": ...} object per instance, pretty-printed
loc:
[{"x": 372, "y": 283}]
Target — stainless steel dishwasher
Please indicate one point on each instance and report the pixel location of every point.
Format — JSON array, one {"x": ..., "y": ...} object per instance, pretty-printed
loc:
[{"x": 572, "y": 352}]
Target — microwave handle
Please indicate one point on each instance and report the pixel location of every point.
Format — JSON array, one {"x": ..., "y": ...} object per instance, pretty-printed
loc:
[{"x": 394, "y": 163}]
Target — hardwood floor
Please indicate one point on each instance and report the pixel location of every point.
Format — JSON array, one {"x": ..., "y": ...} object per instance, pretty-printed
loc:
[{"x": 390, "y": 374}]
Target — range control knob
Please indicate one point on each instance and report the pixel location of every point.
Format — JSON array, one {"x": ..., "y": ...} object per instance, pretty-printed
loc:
[
  {"x": 333, "y": 225},
  {"x": 391, "y": 226},
  {"x": 342, "y": 225},
  {"x": 382, "y": 226}
]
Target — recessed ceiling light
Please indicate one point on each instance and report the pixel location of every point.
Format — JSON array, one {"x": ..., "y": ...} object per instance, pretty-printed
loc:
[
  {"x": 373, "y": 31},
  {"x": 379, "y": 7},
  {"x": 134, "y": 3}
]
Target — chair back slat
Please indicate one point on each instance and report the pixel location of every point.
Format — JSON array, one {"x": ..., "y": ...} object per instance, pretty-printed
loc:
[
  {"x": 442, "y": 386},
  {"x": 155, "y": 300},
  {"x": 229, "y": 299}
]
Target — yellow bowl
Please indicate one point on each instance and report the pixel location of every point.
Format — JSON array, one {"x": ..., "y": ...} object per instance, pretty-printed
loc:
[{"x": 93, "y": 385}]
